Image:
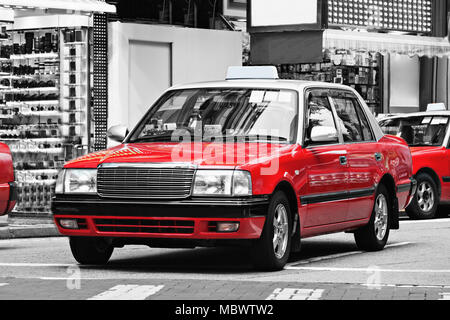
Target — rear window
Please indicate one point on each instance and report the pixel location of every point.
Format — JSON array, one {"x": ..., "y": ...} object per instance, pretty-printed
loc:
[{"x": 418, "y": 131}]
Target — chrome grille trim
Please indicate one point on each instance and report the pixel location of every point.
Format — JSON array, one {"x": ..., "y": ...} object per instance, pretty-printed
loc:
[{"x": 145, "y": 180}]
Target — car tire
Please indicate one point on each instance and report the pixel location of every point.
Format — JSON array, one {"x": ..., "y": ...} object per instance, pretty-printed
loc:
[
  {"x": 271, "y": 252},
  {"x": 91, "y": 251},
  {"x": 374, "y": 236},
  {"x": 426, "y": 200}
]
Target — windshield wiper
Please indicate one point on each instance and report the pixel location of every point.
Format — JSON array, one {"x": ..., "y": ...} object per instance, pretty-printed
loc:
[
  {"x": 264, "y": 138},
  {"x": 421, "y": 145},
  {"x": 247, "y": 138},
  {"x": 161, "y": 138}
]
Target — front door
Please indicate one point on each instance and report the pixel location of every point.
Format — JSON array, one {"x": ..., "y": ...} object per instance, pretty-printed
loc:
[{"x": 326, "y": 166}]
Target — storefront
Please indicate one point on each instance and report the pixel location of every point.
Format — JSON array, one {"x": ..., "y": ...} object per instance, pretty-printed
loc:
[
  {"x": 388, "y": 51},
  {"x": 46, "y": 91}
]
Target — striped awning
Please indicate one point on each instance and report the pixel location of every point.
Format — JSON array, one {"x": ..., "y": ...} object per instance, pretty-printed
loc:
[
  {"x": 386, "y": 42},
  {"x": 84, "y": 6}
]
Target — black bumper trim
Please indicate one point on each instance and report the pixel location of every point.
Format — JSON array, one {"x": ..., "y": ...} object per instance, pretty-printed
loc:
[
  {"x": 193, "y": 208},
  {"x": 13, "y": 192},
  {"x": 408, "y": 187},
  {"x": 404, "y": 188}
]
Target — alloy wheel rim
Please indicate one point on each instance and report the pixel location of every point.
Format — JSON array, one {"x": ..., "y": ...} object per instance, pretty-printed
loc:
[
  {"x": 425, "y": 197},
  {"x": 381, "y": 217},
  {"x": 280, "y": 231}
]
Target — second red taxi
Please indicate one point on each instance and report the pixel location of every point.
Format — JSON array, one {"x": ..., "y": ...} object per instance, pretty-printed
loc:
[{"x": 428, "y": 136}]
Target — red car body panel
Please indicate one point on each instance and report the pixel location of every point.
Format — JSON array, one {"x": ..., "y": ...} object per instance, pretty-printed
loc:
[
  {"x": 436, "y": 159},
  {"x": 310, "y": 172},
  {"x": 7, "y": 199}
]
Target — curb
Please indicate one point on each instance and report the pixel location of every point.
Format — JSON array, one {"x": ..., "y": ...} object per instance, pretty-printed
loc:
[{"x": 33, "y": 231}]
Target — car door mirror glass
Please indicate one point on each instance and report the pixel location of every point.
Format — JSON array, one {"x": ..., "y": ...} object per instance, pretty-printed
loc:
[
  {"x": 321, "y": 134},
  {"x": 117, "y": 133}
]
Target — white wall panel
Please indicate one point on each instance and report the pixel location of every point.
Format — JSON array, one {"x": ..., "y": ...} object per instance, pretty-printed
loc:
[
  {"x": 404, "y": 82},
  {"x": 147, "y": 58},
  {"x": 138, "y": 61}
]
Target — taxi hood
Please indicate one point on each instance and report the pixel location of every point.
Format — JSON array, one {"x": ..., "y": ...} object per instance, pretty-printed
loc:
[{"x": 199, "y": 154}]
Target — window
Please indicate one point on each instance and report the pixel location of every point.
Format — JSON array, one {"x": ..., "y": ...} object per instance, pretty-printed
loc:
[
  {"x": 351, "y": 118},
  {"x": 319, "y": 114},
  {"x": 365, "y": 126},
  {"x": 418, "y": 131}
]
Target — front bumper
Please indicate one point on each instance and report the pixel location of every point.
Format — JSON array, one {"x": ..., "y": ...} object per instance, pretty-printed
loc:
[
  {"x": 187, "y": 219},
  {"x": 413, "y": 188},
  {"x": 408, "y": 190},
  {"x": 12, "y": 199},
  {"x": 412, "y": 191}
]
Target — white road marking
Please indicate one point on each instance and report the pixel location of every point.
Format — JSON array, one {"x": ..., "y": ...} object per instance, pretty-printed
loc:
[
  {"x": 341, "y": 255},
  {"x": 28, "y": 240},
  {"x": 296, "y": 294},
  {"x": 14, "y": 264},
  {"x": 445, "y": 296},
  {"x": 128, "y": 292},
  {"x": 3, "y": 284},
  {"x": 400, "y": 244},
  {"x": 404, "y": 286},
  {"x": 424, "y": 221},
  {"x": 365, "y": 270},
  {"x": 66, "y": 265}
]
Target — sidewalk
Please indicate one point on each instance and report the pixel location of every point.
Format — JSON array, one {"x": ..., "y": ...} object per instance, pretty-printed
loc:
[{"x": 26, "y": 228}]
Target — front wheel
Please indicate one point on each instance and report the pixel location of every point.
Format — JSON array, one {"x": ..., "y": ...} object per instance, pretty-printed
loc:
[
  {"x": 271, "y": 252},
  {"x": 374, "y": 236},
  {"x": 91, "y": 251},
  {"x": 426, "y": 200}
]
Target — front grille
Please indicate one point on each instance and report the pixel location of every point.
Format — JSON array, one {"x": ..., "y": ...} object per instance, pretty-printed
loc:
[
  {"x": 145, "y": 226},
  {"x": 145, "y": 182}
]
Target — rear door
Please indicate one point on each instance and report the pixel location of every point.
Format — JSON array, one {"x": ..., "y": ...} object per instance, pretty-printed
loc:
[
  {"x": 326, "y": 166},
  {"x": 363, "y": 153}
]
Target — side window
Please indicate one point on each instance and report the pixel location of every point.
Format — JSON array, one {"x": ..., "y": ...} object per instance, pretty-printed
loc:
[
  {"x": 319, "y": 114},
  {"x": 365, "y": 125},
  {"x": 351, "y": 119}
]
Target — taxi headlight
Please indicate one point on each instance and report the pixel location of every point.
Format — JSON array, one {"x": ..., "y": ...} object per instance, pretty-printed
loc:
[
  {"x": 222, "y": 183},
  {"x": 77, "y": 181}
]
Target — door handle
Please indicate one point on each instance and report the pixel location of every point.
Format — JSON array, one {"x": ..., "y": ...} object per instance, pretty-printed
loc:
[
  {"x": 343, "y": 160},
  {"x": 378, "y": 157}
]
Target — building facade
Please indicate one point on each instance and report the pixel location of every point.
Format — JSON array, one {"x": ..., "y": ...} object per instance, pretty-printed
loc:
[{"x": 394, "y": 53}]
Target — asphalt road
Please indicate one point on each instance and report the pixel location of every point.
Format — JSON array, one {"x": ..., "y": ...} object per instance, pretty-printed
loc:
[{"x": 414, "y": 266}]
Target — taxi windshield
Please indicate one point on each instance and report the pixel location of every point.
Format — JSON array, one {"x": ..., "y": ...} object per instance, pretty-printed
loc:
[
  {"x": 418, "y": 131},
  {"x": 261, "y": 115}
]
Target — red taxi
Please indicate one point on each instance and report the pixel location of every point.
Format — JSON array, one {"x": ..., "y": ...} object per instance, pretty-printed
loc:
[
  {"x": 251, "y": 161},
  {"x": 8, "y": 189},
  {"x": 428, "y": 136}
]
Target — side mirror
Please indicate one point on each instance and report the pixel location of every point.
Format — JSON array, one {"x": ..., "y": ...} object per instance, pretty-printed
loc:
[
  {"x": 324, "y": 134},
  {"x": 117, "y": 133}
]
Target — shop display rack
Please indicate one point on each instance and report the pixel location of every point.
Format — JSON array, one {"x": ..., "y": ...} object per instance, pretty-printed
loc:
[
  {"x": 44, "y": 85},
  {"x": 358, "y": 69}
]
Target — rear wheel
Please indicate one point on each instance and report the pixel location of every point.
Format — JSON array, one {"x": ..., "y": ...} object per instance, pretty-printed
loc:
[
  {"x": 272, "y": 250},
  {"x": 91, "y": 251},
  {"x": 426, "y": 200},
  {"x": 374, "y": 236}
]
